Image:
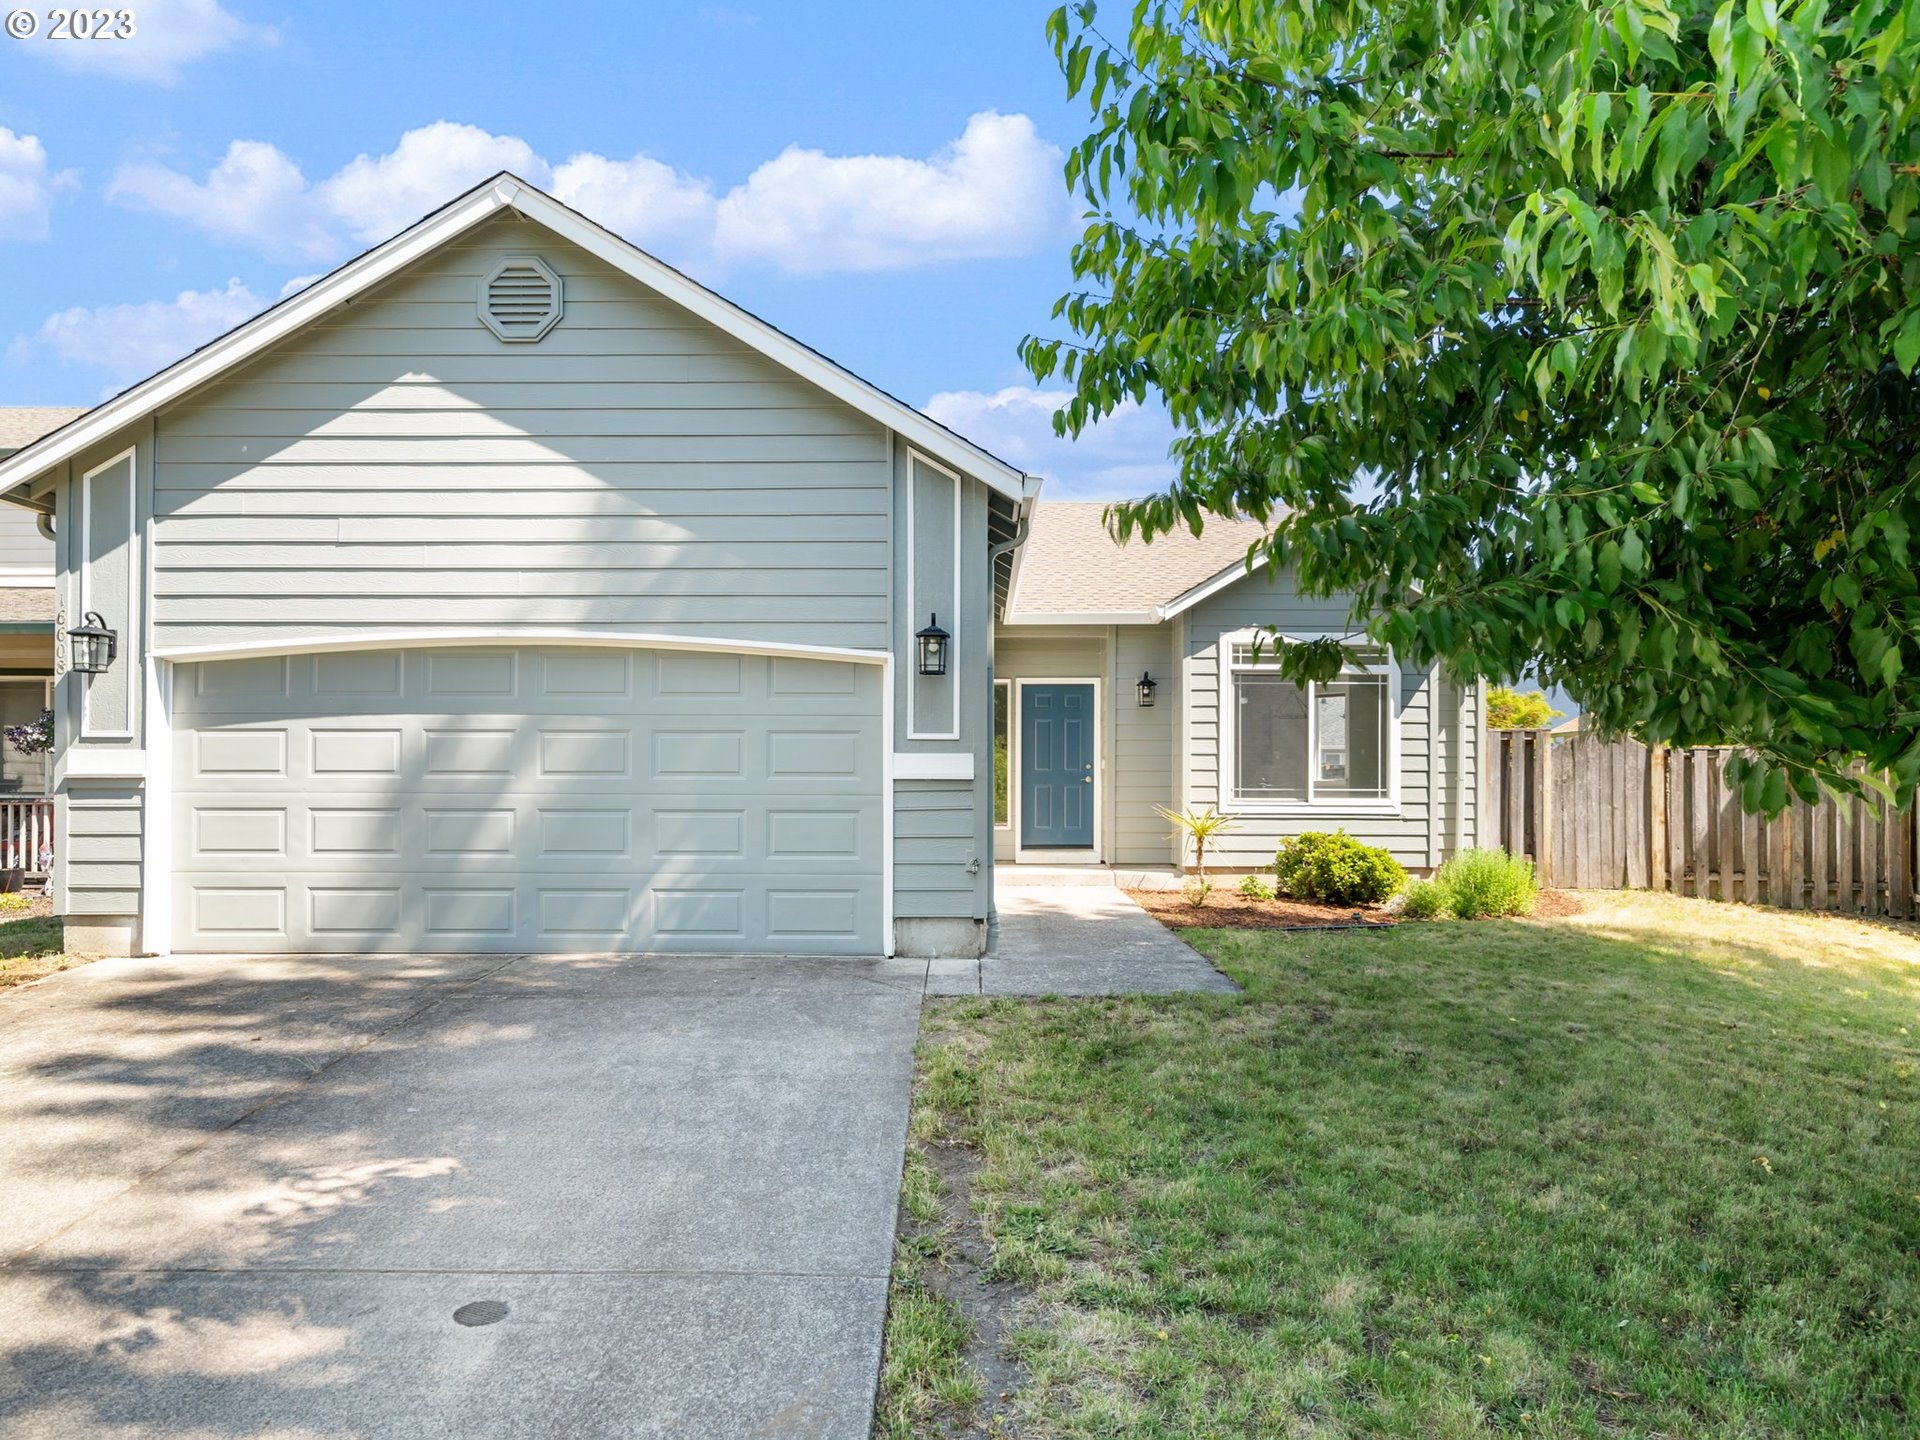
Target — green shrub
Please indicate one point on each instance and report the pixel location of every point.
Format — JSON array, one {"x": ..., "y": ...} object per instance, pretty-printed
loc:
[
  {"x": 1423, "y": 900},
  {"x": 1336, "y": 868},
  {"x": 1255, "y": 887},
  {"x": 1477, "y": 883}
]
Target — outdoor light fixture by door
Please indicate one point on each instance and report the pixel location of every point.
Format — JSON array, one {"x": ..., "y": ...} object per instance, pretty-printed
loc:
[
  {"x": 91, "y": 645},
  {"x": 1146, "y": 687},
  {"x": 933, "y": 647}
]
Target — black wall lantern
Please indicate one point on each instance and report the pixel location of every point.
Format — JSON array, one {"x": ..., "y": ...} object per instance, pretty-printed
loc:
[
  {"x": 933, "y": 647},
  {"x": 1146, "y": 687},
  {"x": 91, "y": 645}
]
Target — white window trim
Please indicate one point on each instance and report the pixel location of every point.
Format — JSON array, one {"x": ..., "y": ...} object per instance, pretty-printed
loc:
[
  {"x": 1006, "y": 824},
  {"x": 1232, "y": 804}
]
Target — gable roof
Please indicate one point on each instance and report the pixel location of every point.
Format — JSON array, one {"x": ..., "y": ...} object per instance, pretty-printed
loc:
[
  {"x": 21, "y": 425},
  {"x": 503, "y": 192},
  {"x": 1072, "y": 571}
]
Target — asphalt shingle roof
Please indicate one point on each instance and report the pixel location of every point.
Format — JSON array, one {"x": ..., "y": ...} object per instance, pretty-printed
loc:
[
  {"x": 1070, "y": 565},
  {"x": 21, "y": 425}
]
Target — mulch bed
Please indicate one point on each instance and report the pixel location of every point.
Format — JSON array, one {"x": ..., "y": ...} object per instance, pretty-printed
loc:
[{"x": 1228, "y": 909}]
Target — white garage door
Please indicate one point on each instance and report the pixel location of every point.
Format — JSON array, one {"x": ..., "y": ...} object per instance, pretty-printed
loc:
[{"x": 550, "y": 799}]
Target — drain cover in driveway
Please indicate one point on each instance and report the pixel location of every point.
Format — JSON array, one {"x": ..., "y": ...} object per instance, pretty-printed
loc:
[{"x": 481, "y": 1312}]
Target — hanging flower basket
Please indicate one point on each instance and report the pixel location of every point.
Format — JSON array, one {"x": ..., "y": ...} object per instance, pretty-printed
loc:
[{"x": 33, "y": 738}]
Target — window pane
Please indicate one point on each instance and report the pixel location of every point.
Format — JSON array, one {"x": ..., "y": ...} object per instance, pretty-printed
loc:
[
  {"x": 1270, "y": 736},
  {"x": 1000, "y": 690},
  {"x": 1352, "y": 718}
]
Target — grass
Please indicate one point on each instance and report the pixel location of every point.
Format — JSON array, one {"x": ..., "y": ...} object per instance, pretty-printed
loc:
[
  {"x": 1650, "y": 1170},
  {"x": 30, "y": 949}
]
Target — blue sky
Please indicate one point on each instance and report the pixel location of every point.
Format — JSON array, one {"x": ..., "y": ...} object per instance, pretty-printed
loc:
[{"x": 881, "y": 180}]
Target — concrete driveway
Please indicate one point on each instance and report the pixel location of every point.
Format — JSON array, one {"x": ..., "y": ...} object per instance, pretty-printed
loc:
[{"x": 450, "y": 1197}]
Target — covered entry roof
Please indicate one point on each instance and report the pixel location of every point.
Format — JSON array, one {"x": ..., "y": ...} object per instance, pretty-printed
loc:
[{"x": 1072, "y": 571}]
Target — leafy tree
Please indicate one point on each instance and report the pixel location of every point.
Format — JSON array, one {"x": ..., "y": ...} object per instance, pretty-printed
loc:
[
  {"x": 1511, "y": 710},
  {"x": 1594, "y": 320}
]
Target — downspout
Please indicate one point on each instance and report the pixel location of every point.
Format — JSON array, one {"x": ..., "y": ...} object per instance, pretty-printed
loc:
[
  {"x": 994, "y": 552},
  {"x": 43, "y": 521},
  {"x": 1006, "y": 547}
]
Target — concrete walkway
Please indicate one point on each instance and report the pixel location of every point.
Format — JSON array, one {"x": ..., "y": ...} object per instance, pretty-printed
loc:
[
  {"x": 450, "y": 1197},
  {"x": 1078, "y": 939}
]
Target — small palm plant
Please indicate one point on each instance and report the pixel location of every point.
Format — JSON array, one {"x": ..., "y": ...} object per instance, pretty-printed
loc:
[{"x": 1203, "y": 827}]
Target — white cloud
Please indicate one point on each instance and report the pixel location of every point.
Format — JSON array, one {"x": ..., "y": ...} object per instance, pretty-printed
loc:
[
  {"x": 378, "y": 196},
  {"x": 654, "y": 205},
  {"x": 255, "y": 195},
  {"x": 130, "y": 342},
  {"x": 1122, "y": 457},
  {"x": 27, "y": 186},
  {"x": 995, "y": 191},
  {"x": 168, "y": 35}
]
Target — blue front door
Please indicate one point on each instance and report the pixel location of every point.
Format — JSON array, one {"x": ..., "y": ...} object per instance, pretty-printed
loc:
[{"x": 1056, "y": 765}]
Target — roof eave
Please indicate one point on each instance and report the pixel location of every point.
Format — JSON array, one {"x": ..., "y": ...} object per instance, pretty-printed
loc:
[
  {"x": 1211, "y": 586},
  {"x": 1083, "y": 617}
]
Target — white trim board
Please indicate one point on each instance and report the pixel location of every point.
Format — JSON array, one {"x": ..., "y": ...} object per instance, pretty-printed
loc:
[
  {"x": 491, "y": 197},
  {"x": 952, "y": 732},
  {"x": 937, "y": 765},
  {"x": 430, "y": 638},
  {"x": 128, "y": 628}
]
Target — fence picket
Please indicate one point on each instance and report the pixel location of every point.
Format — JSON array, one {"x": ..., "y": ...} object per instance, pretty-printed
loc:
[{"x": 1601, "y": 815}]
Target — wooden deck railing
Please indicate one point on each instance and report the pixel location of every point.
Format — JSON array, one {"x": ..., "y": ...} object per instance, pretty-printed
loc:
[{"x": 26, "y": 833}]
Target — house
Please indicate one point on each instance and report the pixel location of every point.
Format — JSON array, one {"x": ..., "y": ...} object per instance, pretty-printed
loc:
[
  {"x": 1129, "y": 678},
  {"x": 26, "y": 650},
  {"x": 505, "y": 590}
]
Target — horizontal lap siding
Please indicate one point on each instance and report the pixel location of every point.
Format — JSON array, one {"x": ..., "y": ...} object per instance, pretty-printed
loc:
[
  {"x": 933, "y": 828},
  {"x": 1253, "y": 840},
  {"x": 22, "y": 546},
  {"x": 1141, "y": 775},
  {"x": 396, "y": 466},
  {"x": 101, "y": 845}
]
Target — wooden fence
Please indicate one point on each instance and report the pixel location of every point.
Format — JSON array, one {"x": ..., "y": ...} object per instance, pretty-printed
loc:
[{"x": 1610, "y": 815}]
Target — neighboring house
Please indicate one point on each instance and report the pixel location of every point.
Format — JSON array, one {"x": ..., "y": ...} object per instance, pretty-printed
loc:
[
  {"x": 505, "y": 590},
  {"x": 26, "y": 610},
  {"x": 1388, "y": 752}
]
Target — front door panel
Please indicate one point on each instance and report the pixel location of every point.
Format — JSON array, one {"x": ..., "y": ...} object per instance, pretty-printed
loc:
[{"x": 1056, "y": 765}]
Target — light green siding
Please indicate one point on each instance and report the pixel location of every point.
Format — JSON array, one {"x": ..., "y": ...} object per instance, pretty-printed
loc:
[
  {"x": 1141, "y": 774},
  {"x": 935, "y": 828},
  {"x": 98, "y": 850},
  {"x": 22, "y": 546},
  {"x": 1415, "y": 833},
  {"x": 949, "y": 876},
  {"x": 395, "y": 466}
]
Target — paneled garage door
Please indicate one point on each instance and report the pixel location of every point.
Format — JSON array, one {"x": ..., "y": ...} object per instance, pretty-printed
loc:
[{"x": 528, "y": 800}]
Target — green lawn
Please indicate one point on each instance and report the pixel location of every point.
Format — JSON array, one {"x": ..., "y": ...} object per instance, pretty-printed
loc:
[
  {"x": 1653, "y": 1170},
  {"x": 30, "y": 949}
]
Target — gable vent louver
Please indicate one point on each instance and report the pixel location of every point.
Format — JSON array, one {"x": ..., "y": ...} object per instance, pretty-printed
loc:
[{"x": 520, "y": 298}]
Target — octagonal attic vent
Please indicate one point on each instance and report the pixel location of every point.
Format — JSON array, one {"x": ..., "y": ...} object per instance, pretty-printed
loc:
[{"x": 520, "y": 298}]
